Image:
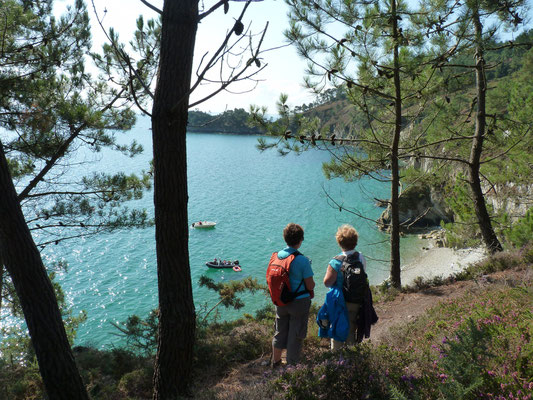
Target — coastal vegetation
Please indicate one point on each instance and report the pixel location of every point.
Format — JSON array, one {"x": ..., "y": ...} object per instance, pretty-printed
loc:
[
  {"x": 420, "y": 107},
  {"x": 476, "y": 345},
  {"x": 49, "y": 109},
  {"x": 414, "y": 108},
  {"x": 52, "y": 108},
  {"x": 230, "y": 121}
]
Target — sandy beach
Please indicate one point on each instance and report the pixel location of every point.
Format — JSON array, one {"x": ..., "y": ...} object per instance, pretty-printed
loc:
[{"x": 440, "y": 261}]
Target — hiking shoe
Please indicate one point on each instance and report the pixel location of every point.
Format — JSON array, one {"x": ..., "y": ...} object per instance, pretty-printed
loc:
[{"x": 275, "y": 365}]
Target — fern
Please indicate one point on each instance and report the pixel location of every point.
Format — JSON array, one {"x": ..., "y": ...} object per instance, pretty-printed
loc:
[
  {"x": 465, "y": 360},
  {"x": 396, "y": 394}
]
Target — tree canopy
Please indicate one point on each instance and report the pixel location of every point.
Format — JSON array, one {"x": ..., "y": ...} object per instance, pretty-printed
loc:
[
  {"x": 50, "y": 109},
  {"x": 404, "y": 72}
]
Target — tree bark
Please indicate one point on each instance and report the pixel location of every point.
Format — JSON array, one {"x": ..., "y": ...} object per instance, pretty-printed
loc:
[
  {"x": 37, "y": 298},
  {"x": 487, "y": 232},
  {"x": 177, "y": 320},
  {"x": 395, "y": 267},
  {"x": 2, "y": 280}
]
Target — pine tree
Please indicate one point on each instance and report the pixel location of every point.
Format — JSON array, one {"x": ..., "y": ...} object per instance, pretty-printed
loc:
[
  {"x": 462, "y": 27},
  {"x": 49, "y": 108},
  {"x": 156, "y": 54},
  {"x": 375, "y": 53}
]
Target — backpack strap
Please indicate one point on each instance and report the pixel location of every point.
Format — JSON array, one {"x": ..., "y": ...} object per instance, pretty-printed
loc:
[
  {"x": 342, "y": 257},
  {"x": 296, "y": 292},
  {"x": 296, "y": 253},
  {"x": 355, "y": 255}
]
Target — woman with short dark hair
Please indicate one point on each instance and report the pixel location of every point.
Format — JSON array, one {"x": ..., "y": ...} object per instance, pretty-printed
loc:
[{"x": 292, "y": 318}]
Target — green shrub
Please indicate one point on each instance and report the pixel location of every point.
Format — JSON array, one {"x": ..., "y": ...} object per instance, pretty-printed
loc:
[
  {"x": 225, "y": 343},
  {"x": 357, "y": 372},
  {"x": 527, "y": 254},
  {"x": 137, "y": 384},
  {"x": 21, "y": 384},
  {"x": 122, "y": 362},
  {"x": 384, "y": 292},
  {"x": 463, "y": 361},
  {"x": 520, "y": 233},
  {"x": 420, "y": 283},
  {"x": 476, "y": 346},
  {"x": 464, "y": 232},
  {"x": 113, "y": 363},
  {"x": 266, "y": 313}
]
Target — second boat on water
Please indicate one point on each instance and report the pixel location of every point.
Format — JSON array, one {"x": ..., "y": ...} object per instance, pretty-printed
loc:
[{"x": 224, "y": 264}]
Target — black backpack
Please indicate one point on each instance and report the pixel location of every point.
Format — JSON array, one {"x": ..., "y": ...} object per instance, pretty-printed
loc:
[{"x": 355, "y": 283}]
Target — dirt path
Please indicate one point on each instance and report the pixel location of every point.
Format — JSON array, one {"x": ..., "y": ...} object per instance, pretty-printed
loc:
[
  {"x": 409, "y": 306},
  {"x": 404, "y": 308}
]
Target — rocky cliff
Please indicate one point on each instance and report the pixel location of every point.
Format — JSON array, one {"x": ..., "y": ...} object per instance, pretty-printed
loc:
[{"x": 421, "y": 208}]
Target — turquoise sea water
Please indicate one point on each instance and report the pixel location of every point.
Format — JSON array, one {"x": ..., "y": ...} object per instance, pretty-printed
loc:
[{"x": 252, "y": 196}]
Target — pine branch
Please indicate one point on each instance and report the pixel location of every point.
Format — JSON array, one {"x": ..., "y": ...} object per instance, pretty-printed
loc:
[{"x": 152, "y": 7}]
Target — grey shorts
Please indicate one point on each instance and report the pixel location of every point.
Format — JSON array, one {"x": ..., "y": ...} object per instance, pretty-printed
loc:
[{"x": 291, "y": 327}]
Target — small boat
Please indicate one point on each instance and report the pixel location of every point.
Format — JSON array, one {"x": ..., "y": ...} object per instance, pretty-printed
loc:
[
  {"x": 204, "y": 224},
  {"x": 224, "y": 264}
]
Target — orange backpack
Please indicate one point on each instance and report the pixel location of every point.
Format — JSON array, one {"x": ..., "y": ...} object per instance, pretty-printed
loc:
[{"x": 277, "y": 277}]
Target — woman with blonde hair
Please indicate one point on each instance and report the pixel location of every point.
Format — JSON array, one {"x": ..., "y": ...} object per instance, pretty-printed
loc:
[{"x": 352, "y": 265}]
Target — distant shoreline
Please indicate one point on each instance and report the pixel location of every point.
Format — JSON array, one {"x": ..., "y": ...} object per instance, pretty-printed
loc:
[{"x": 219, "y": 132}]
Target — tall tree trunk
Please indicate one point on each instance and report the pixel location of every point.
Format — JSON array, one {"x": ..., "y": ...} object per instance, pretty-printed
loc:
[
  {"x": 395, "y": 266},
  {"x": 487, "y": 232},
  {"x": 2, "y": 281},
  {"x": 37, "y": 298},
  {"x": 177, "y": 319}
]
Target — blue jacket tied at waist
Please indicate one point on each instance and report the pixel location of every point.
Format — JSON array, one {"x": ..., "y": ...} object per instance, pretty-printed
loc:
[{"x": 332, "y": 318}]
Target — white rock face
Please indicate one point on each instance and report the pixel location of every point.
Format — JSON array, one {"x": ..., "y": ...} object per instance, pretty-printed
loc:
[{"x": 510, "y": 198}]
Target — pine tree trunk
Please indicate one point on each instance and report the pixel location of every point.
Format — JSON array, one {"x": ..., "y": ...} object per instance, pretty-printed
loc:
[
  {"x": 487, "y": 232},
  {"x": 37, "y": 298},
  {"x": 169, "y": 125},
  {"x": 395, "y": 267},
  {"x": 2, "y": 280}
]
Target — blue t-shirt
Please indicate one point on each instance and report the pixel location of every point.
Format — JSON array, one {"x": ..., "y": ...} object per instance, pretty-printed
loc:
[
  {"x": 336, "y": 265},
  {"x": 300, "y": 269}
]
